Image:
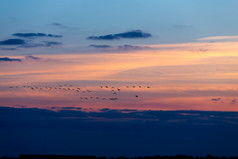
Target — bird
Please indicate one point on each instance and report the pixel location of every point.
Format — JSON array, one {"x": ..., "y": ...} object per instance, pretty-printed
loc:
[
  {"x": 113, "y": 98},
  {"x": 136, "y": 96}
]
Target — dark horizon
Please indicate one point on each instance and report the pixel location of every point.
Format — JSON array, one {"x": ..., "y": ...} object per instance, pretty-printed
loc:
[{"x": 179, "y": 156}]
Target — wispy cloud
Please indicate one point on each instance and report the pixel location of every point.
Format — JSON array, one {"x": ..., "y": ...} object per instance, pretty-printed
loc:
[
  {"x": 126, "y": 35},
  {"x": 235, "y": 37},
  {"x": 119, "y": 48},
  {"x": 7, "y": 49},
  {"x": 41, "y": 44},
  {"x": 61, "y": 26},
  {"x": 30, "y": 57}
]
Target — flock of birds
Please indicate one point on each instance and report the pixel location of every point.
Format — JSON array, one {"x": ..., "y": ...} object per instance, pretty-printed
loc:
[{"x": 69, "y": 87}]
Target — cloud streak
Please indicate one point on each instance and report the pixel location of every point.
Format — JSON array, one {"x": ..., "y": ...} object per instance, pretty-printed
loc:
[
  {"x": 135, "y": 34},
  {"x": 7, "y": 59},
  {"x": 30, "y": 35}
]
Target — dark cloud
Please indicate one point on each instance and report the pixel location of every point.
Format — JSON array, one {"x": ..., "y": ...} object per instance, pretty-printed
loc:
[
  {"x": 131, "y": 47},
  {"x": 54, "y": 36},
  {"x": 68, "y": 108},
  {"x": 130, "y": 115},
  {"x": 131, "y": 133},
  {"x": 128, "y": 110},
  {"x": 101, "y": 46},
  {"x": 51, "y": 43},
  {"x": 216, "y": 99},
  {"x": 30, "y": 57},
  {"x": 30, "y": 35},
  {"x": 29, "y": 43},
  {"x": 9, "y": 59},
  {"x": 126, "y": 35},
  {"x": 13, "y": 42},
  {"x": 105, "y": 109}
]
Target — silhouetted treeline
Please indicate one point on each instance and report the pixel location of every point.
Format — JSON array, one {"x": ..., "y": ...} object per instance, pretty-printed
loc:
[{"x": 94, "y": 157}]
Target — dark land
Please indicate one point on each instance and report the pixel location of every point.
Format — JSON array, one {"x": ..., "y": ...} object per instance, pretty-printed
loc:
[{"x": 95, "y": 157}]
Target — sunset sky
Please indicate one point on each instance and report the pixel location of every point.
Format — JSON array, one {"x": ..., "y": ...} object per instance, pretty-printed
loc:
[{"x": 119, "y": 72}]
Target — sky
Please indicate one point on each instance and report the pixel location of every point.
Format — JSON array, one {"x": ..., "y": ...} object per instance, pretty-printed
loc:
[{"x": 99, "y": 75}]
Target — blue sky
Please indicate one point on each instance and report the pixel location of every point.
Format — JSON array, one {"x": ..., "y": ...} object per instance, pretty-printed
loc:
[{"x": 168, "y": 21}]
